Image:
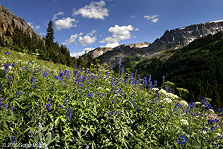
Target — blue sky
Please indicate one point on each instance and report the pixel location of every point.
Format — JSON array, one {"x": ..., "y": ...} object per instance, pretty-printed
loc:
[{"x": 86, "y": 24}]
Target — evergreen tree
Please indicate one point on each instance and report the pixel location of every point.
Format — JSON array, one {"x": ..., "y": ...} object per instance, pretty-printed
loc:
[{"x": 50, "y": 34}]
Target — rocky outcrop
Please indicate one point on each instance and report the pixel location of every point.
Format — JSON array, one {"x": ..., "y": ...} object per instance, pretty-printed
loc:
[
  {"x": 180, "y": 37},
  {"x": 6, "y": 22},
  {"x": 99, "y": 51},
  {"x": 136, "y": 45}
]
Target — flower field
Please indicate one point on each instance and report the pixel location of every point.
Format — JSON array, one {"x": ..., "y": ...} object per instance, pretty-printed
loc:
[{"x": 55, "y": 106}]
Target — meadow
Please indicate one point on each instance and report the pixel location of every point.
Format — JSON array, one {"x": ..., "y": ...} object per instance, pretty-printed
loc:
[{"x": 54, "y": 106}]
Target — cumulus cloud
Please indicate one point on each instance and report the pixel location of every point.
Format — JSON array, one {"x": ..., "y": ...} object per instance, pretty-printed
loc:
[
  {"x": 153, "y": 18},
  {"x": 71, "y": 40},
  {"x": 118, "y": 33},
  {"x": 85, "y": 50},
  {"x": 87, "y": 39},
  {"x": 57, "y": 14},
  {"x": 95, "y": 10},
  {"x": 65, "y": 23},
  {"x": 136, "y": 29}
]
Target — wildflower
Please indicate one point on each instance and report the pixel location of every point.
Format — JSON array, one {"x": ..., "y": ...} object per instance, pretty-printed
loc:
[
  {"x": 0, "y": 104},
  {"x": 184, "y": 122},
  {"x": 162, "y": 92},
  {"x": 183, "y": 103},
  {"x": 181, "y": 139},
  {"x": 210, "y": 121},
  {"x": 7, "y": 53},
  {"x": 211, "y": 111},
  {"x": 33, "y": 81},
  {"x": 19, "y": 93},
  {"x": 13, "y": 139},
  {"x": 12, "y": 108},
  {"x": 5, "y": 105},
  {"x": 197, "y": 103},
  {"x": 163, "y": 77},
  {"x": 155, "y": 89},
  {"x": 57, "y": 77},
  {"x": 14, "y": 64},
  {"x": 172, "y": 96},
  {"x": 166, "y": 100}
]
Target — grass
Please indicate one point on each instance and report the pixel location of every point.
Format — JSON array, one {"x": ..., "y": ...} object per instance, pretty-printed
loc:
[{"x": 52, "y": 105}]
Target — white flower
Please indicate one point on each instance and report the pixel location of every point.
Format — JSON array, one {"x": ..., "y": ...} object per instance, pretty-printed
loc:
[
  {"x": 183, "y": 103},
  {"x": 162, "y": 92},
  {"x": 99, "y": 88},
  {"x": 2, "y": 68},
  {"x": 198, "y": 103},
  {"x": 184, "y": 122},
  {"x": 218, "y": 134},
  {"x": 155, "y": 89},
  {"x": 166, "y": 100},
  {"x": 107, "y": 89},
  {"x": 211, "y": 111},
  {"x": 170, "y": 95}
]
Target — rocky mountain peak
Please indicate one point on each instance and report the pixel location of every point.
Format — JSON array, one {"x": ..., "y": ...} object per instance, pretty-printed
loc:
[
  {"x": 181, "y": 37},
  {"x": 6, "y": 22}
]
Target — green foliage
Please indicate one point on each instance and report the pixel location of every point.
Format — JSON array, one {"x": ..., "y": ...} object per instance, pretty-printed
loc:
[
  {"x": 61, "y": 107},
  {"x": 197, "y": 67},
  {"x": 50, "y": 34}
]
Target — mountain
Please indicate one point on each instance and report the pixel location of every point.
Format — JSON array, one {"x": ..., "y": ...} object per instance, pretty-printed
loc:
[
  {"x": 8, "y": 22},
  {"x": 196, "y": 67},
  {"x": 180, "y": 37},
  {"x": 171, "y": 40}
]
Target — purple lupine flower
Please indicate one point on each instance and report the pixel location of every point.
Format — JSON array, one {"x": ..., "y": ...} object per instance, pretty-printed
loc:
[
  {"x": 14, "y": 64},
  {"x": 12, "y": 108},
  {"x": 5, "y": 105},
  {"x": 19, "y": 93},
  {"x": 181, "y": 139},
  {"x": 33, "y": 81}
]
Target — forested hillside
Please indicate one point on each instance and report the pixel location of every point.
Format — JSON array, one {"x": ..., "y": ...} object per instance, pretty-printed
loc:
[{"x": 197, "y": 67}]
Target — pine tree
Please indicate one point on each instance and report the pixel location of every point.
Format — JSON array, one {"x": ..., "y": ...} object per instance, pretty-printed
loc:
[{"x": 50, "y": 34}]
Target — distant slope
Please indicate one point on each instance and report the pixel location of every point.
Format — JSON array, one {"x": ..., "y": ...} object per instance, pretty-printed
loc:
[
  {"x": 171, "y": 40},
  {"x": 198, "y": 67}
]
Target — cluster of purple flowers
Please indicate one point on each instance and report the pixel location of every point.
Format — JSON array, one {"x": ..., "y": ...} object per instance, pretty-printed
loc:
[
  {"x": 181, "y": 139},
  {"x": 33, "y": 81},
  {"x": 68, "y": 115}
]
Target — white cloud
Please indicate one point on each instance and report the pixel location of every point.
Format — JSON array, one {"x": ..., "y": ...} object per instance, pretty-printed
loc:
[
  {"x": 93, "y": 11},
  {"x": 58, "y": 14},
  {"x": 71, "y": 40},
  {"x": 30, "y": 24},
  {"x": 136, "y": 29},
  {"x": 37, "y": 27},
  {"x": 153, "y": 18},
  {"x": 87, "y": 40},
  {"x": 65, "y": 23},
  {"x": 118, "y": 33},
  {"x": 85, "y": 50}
]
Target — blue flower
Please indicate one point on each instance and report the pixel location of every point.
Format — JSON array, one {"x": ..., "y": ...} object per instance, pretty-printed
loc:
[
  {"x": 19, "y": 93},
  {"x": 12, "y": 108},
  {"x": 14, "y": 64},
  {"x": 33, "y": 81},
  {"x": 5, "y": 105},
  {"x": 7, "y": 53},
  {"x": 181, "y": 139}
]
